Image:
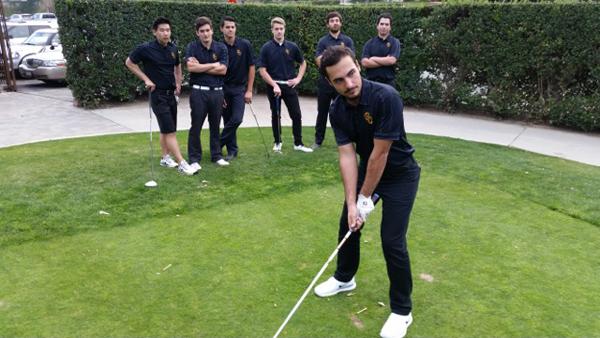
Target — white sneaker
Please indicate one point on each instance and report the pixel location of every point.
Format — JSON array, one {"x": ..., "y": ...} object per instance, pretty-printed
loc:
[
  {"x": 277, "y": 147},
  {"x": 168, "y": 162},
  {"x": 333, "y": 286},
  {"x": 222, "y": 163},
  {"x": 195, "y": 166},
  {"x": 396, "y": 326},
  {"x": 303, "y": 148},
  {"x": 186, "y": 169}
]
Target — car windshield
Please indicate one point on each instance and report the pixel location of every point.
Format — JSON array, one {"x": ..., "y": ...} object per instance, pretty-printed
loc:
[{"x": 39, "y": 38}]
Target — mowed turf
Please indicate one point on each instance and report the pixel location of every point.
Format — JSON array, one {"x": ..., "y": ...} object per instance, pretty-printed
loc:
[{"x": 502, "y": 242}]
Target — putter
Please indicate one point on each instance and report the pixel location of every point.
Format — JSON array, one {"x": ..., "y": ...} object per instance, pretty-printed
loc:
[
  {"x": 259, "y": 130},
  {"x": 152, "y": 183},
  {"x": 375, "y": 199}
]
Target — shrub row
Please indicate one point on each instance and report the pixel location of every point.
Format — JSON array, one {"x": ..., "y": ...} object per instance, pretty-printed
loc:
[{"x": 534, "y": 62}]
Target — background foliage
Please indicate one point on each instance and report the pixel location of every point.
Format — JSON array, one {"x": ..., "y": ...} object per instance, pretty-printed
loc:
[{"x": 534, "y": 62}]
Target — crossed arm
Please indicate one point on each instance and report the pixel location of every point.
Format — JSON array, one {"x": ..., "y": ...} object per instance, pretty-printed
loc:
[
  {"x": 378, "y": 61},
  {"x": 215, "y": 68}
]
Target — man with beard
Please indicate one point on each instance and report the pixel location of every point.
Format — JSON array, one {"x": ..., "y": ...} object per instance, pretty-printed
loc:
[{"x": 381, "y": 53}]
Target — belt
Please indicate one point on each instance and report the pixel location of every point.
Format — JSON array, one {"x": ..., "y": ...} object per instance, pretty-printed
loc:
[
  {"x": 206, "y": 87},
  {"x": 281, "y": 82},
  {"x": 166, "y": 91}
]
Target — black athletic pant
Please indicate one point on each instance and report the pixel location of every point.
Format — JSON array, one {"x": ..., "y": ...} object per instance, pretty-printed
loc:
[
  {"x": 325, "y": 95},
  {"x": 233, "y": 114},
  {"x": 397, "y": 197},
  {"x": 205, "y": 103},
  {"x": 290, "y": 97}
]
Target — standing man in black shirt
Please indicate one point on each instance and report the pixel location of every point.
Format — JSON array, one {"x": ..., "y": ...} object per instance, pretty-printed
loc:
[
  {"x": 162, "y": 77},
  {"x": 239, "y": 80},
  {"x": 277, "y": 68},
  {"x": 325, "y": 92},
  {"x": 207, "y": 63},
  {"x": 367, "y": 120},
  {"x": 381, "y": 53}
]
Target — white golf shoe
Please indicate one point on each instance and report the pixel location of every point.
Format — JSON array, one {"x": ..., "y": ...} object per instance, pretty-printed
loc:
[
  {"x": 396, "y": 326},
  {"x": 195, "y": 166},
  {"x": 168, "y": 162},
  {"x": 277, "y": 147},
  {"x": 333, "y": 286},
  {"x": 303, "y": 148},
  {"x": 222, "y": 163},
  {"x": 186, "y": 169}
]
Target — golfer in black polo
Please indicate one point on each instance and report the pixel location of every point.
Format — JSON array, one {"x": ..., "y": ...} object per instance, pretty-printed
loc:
[
  {"x": 162, "y": 77},
  {"x": 367, "y": 120},
  {"x": 207, "y": 63},
  {"x": 381, "y": 53},
  {"x": 238, "y": 84},
  {"x": 277, "y": 62},
  {"x": 325, "y": 92}
]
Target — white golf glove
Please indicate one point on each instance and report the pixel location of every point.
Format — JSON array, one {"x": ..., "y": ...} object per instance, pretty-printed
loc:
[{"x": 365, "y": 206}]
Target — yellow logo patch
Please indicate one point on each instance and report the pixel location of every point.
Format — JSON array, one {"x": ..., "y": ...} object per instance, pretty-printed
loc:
[
  {"x": 239, "y": 52},
  {"x": 173, "y": 55},
  {"x": 342, "y": 44},
  {"x": 287, "y": 51},
  {"x": 215, "y": 56},
  {"x": 389, "y": 44},
  {"x": 368, "y": 117}
]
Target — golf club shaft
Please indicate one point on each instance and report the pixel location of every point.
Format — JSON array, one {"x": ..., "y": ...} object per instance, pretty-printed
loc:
[
  {"x": 151, "y": 149},
  {"x": 333, "y": 254},
  {"x": 259, "y": 130},
  {"x": 375, "y": 199},
  {"x": 278, "y": 108}
]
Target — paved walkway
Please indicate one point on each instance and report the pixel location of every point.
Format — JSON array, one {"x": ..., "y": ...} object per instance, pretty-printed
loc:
[{"x": 33, "y": 115}]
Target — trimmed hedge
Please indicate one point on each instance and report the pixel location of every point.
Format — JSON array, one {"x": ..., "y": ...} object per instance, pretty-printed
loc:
[{"x": 534, "y": 62}]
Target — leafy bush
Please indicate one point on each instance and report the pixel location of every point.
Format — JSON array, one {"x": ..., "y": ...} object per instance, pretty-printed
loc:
[{"x": 519, "y": 61}]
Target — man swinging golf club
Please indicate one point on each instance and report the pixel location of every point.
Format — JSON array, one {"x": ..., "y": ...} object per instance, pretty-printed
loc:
[{"x": 367, "y": 119}]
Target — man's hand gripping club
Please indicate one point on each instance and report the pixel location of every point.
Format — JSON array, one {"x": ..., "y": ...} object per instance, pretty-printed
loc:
[{"x": 357, "y": 214}]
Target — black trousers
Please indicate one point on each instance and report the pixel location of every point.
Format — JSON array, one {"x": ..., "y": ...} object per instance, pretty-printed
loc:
[
  {"x": 290, "y": 97},
  {"x": 233, "y": 114},
  {"x": 325, "y": 95},
  {"x": 205, "y": 103},
  {"x": 397, "y": 196}
]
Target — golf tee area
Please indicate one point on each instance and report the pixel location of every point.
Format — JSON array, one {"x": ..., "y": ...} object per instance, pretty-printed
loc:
[{"x": 503, "y": 243}]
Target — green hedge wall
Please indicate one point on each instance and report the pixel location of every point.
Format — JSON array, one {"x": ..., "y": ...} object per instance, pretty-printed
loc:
[{"x": 534, "y": 62}]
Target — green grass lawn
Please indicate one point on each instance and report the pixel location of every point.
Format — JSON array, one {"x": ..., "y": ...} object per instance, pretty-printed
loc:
[{"x": 510, "y": 238}]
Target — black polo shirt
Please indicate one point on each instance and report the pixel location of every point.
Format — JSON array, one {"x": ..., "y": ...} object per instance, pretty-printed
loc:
[
  {"x": 159, "y": 62},
  {"x": 241, "y": 58},
  {"x": 279, "y": 60},
  {"x": 379, "y": 115},
  {"x": 327, "y": 41},
  {"x": 216, "y": 53},
  {"x": 377, "y": 46}
]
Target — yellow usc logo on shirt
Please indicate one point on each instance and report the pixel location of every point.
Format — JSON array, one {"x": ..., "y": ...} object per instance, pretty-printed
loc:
[
  {"x": 368, "y": 117},
  {"x": 342, "y": 44},
  {"x": 238, "y": 52},
  {"x": 287, "y": 51},
  {"x": 173, "y": 55},
  {"x": 389, "y": 44},
  {"x": 215, "y": 56}
]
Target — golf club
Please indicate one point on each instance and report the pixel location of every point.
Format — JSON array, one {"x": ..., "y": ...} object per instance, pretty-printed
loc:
[
  {"x": 278, "y": 109},
  {"x": 375, "y": 199},
  {"x": 152, "y": 183},
  {"x": 259, "y": 130}
]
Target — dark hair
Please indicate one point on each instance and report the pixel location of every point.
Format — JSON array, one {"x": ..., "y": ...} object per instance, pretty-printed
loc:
[
  {"x": 203, "y": 20},
  {"x": 159, "y": 21},
  {"x": 332, "y": 55},
  {"x": 334, "y": 14},
  {"x": 384, "y": 16},
  {"x": 227, "y": 18}
]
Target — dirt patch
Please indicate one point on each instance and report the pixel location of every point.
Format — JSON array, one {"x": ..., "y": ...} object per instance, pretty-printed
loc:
[
  {"x": 357, "y": 322},
  {"x": 426, "y": 277}
]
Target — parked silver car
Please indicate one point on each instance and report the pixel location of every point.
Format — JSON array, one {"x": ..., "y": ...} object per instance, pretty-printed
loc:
[
  {"x": 34, "y": 44},
  {"x": 48, "y": 66}
]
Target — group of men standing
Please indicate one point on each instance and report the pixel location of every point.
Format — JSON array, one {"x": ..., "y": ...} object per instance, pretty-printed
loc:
[{"x": 366, "y": 116}]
